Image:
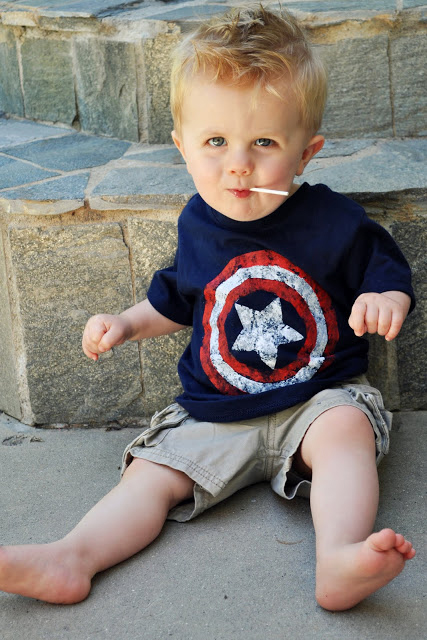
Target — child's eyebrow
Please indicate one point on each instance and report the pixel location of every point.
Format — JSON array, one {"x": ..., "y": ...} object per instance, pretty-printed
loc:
[{"x": 210, "y": 133}]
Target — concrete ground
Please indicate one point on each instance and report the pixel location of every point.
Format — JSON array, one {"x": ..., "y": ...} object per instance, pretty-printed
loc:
[{"x": 243, "y": 571}]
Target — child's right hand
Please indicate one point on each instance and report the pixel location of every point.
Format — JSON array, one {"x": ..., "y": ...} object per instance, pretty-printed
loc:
[{"x": 103, "y": 332}]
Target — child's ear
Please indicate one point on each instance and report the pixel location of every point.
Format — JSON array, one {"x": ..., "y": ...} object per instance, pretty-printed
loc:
[
  {"x": 178, "y": 143},
  {"x": 315, "y": 144}
]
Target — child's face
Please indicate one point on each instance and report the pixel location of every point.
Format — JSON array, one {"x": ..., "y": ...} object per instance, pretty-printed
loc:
[{"x": 231, "y": 143}]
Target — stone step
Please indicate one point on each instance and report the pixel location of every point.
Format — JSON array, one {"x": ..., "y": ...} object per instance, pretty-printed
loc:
[
  {"x": 103, "y": 66},
  {"x": 84, "y": 222}
]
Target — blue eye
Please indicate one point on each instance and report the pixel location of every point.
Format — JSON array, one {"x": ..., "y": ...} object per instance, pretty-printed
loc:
[
  {"x": 263, "y": 142},
  {"x": 217, "y": 142}
]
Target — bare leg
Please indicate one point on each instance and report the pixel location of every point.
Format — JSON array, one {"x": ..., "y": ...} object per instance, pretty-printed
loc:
[
  {"x": 339, "y": 448},
  {"x": 125, "y": 521}
]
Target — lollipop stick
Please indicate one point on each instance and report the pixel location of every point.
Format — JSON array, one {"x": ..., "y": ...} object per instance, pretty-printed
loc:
[{"x": 274, "y": 191}]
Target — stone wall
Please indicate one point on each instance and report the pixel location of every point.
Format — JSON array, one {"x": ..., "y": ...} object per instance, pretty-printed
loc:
[
  {"x": 105, "y": 69},
  {"x": 84, "y": 223}
]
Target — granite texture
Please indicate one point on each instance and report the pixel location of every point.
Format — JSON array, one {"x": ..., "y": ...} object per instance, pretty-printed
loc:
[
  {"x": 160, "y": 156},
  {"x": 47, "y": 78},
  {"x": 409, "y": 84},
  {"x": 14, "y": 172},
  {"x": 71, "y": 152},
  {"x": 9, "y": 393},
  {"x": 411, "y": 370},
  {"x": 146, "y": 180},
  {"x": 106, "y": 87},
  {"x": 16, "y": 132},
  {"x": 11, "y": 98},
  {"x": 157, "y": 59},
  {"x": 64, "y": 188},
  {"x": 392, "y": 165},
  {"x": 359, "y": 88},
  {"x": 63, "y": 275}
]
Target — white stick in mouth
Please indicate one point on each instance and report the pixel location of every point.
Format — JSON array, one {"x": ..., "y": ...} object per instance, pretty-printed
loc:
[{"x": 274, "y": 191}]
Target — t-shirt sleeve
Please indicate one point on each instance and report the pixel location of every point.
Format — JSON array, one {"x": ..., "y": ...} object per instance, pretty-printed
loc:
[
  {"x": 167, "y": 298},
  {"x": 375, "y": 262}
]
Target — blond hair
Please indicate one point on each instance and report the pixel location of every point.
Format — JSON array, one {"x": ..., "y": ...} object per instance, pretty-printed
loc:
[{"x": 252, "y": 46}]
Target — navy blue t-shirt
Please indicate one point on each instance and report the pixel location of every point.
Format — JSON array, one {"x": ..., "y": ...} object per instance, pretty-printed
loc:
[{"x": 269, "y": 301}]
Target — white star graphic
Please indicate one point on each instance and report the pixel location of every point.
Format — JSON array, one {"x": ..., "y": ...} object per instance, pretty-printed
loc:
[{"x": 263, "y": 331}]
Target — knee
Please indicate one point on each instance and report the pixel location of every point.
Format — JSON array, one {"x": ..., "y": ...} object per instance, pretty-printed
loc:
[
  {"x": 346, "y": 423},
  {"x": 344, "y": 426}
]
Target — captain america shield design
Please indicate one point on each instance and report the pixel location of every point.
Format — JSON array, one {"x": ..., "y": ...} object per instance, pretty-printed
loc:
[{"x": 267, "y": 324}]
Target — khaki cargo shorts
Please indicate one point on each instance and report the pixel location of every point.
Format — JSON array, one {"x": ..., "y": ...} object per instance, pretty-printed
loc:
[{"x": 222, "y": 458}]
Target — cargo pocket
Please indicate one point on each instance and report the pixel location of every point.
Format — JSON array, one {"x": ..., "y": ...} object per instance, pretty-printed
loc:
[
  {"x": 371, "y": 398},
  {"x": 161, "y": 424}
]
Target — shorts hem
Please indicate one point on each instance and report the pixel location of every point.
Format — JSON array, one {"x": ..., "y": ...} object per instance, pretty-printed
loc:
[
  {"x": 203, "y": 486},
  {"x": 199, "y": 474}
]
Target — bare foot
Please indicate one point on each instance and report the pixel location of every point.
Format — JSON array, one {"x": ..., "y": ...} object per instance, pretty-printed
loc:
[
  {"x": 47, "y": 572},
  {"x": 353, "y": 572}
]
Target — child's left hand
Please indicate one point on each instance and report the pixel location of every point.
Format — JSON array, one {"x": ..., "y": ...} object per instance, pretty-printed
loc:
[{"x": 381, "y": 313}]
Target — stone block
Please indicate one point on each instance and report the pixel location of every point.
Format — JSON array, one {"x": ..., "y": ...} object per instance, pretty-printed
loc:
[
  {"x": 343, "y": 6},
  {"x": 409, "y": 78},
  {"x": 159, "y": 156},
  {"x": 411, "y": 343},
  {"x": 348, "y": 147},
  {"x": 14, "y": 173},
  {"x": 107, "y": 87},
  {"x": 48, "y": 80},
  {"x": 9, "y": 395},
  {"x": 56, "y": 196},
  {"x": 15, "y": 132},
  {"x": 158, "y": 56},
  {"x": 153, "y": 247},
  {"x": 70, "y": 152},
  {"x": 64, "y": 275},
  {"x": 412, "y": 4},
  {"x": 19, "y": 18},
  {"x": 11, "y": 99},
  {"x": 390, "y": 166},
  {"x": 359, "y": 88},
  {"x": 192, "y": 12},
  {"x": 146, "y": 180}
]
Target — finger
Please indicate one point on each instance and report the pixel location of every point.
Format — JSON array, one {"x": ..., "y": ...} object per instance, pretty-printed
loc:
[
  {"x": 95, "y": 331},
  {"x": 92, "y": 335},
  {"x": 357, "y": 318},
  {"x": 384, "y": 320},
  {"x": 88, "y": 351},
  {"x": 371, "y": 318},
  {"x": 111, "y": 338},
  {"x": 395, "y": 325},
  {"x": 90, "y": 354}
]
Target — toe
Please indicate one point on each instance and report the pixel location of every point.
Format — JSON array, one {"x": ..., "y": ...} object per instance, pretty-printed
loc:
[
  {"x": 383, "y": 540},
  {"x": 403, "y": 547},
  {"x": 400, "y": 540}
]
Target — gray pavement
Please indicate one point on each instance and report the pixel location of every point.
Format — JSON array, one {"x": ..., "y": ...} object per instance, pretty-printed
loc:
[{"x": 243, "y": 571}]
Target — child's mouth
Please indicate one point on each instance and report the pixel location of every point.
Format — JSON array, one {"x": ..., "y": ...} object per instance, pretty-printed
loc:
[{"x": 240, "y": 193}]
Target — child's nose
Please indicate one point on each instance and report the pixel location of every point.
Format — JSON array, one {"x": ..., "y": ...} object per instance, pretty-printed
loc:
[{"x": 240, "y": 163}]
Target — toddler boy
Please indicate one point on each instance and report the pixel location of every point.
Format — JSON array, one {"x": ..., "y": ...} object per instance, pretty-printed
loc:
[{"x": 279, "y": 288}]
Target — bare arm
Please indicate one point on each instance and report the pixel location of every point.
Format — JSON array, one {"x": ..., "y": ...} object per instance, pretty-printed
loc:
[
  {"x": 382, "y": 313},
  {"x": 105, "y": 331},
  {"x": 146, "y": 322}
]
